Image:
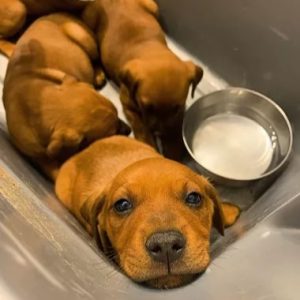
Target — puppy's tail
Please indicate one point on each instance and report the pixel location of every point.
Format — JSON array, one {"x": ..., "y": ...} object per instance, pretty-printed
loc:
[{"x": 6, "y": 48}]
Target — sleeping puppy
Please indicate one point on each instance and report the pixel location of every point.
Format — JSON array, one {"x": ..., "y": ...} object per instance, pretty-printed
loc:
[
  {"x": 51, "y": 106},
  {"x": 154, "y": 82},
  {"x": 151, "y": 214},
  {"x": 13, "y": 13}
]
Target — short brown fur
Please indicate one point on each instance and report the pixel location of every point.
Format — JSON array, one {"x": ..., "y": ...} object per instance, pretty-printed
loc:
[
  {"x": 13, "y": 13},
  {"x": 122, "y": 168},
  {"x": 51, "y": 106},
  {"x": 154, "y": 82}
]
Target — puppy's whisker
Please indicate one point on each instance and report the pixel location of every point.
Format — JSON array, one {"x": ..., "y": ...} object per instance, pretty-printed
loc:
[
  {"x": 109, "y": 254},
  {"x": 112, "y": 255}
]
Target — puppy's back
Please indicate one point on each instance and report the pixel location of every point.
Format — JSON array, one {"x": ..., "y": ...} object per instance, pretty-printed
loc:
[
  {"x": 46, "y": 44},
  {"x": 123, "y": 27}
]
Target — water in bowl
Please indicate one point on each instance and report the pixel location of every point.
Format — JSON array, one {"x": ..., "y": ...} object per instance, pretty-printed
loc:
[{"x": 233, "y": 146}]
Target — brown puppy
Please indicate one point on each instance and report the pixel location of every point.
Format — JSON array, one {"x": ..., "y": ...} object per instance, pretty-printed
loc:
[
  {"x": 13, "y": 13},
  {"x": 154, "y": 82},
  {"x": 153, "y": 215},
  {"x": 51, "y": 106}
]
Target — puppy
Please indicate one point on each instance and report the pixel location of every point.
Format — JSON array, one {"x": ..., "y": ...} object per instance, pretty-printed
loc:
[
  {"x": 154, "y": 82},
  {"x": 51, "y": 106},
  {"x": 13, "y": 13},
  {"x": 151, "y": 214}
]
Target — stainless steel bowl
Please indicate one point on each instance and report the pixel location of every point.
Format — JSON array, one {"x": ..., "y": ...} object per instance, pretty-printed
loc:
[{"x": 237, "y": 136}]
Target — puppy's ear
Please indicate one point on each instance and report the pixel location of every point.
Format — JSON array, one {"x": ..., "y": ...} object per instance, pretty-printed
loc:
[
  {"x": 195, "y": 75},
  {"x": 90, "y": 211},
  {"x": 218, "y": 217},
  {"x": 65, "y": 181},
  {"x": 31, "y": 49},
  {"x": 130, "y": 77},
  {"x": 231, "y": 213}
]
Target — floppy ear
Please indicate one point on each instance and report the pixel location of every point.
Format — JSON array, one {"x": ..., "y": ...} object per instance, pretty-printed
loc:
[
  {"x": 218, "y": 217},
  {"x": 231, "y": 213},
  {"x": 65, "y": 181},
  {"x": 130, "y": 76},
  {"x": 195, "y": 75},
  {"x": 90, "y": 211}
]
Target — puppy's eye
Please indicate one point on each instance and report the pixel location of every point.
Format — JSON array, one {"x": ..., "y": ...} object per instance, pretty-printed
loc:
[
  {"x": 193, "y": 199},
  {"x": 123, "y": 206}
]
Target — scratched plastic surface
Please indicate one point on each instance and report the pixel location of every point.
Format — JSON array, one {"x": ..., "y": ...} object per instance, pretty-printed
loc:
[{"x": 45, "y": 254}]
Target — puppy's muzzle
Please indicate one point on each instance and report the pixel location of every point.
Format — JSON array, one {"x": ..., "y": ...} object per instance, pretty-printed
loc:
[{"x": 166, "y": 247}]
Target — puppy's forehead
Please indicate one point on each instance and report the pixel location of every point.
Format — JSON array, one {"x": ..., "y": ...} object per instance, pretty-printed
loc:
[
  {"x": 157, "y": 174},
  {"x": 172, "y": 84}
]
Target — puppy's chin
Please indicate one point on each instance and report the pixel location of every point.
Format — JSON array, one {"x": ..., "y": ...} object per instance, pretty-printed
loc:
[
  {"x": 155, "y": 275},
  {"x": 171, "y": 281}
]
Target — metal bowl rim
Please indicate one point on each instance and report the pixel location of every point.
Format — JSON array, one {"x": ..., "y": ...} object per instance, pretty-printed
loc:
[{"x": 235, "y": 180}]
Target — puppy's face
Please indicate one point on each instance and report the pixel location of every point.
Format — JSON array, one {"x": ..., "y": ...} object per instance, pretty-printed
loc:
[
  {"x": 157, "y": 217},
  {"x": 161, "y": 97},
  {"x": 159, "y": 90}
]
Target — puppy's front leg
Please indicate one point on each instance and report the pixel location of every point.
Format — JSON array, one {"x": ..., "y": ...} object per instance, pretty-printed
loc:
[
  {"x": 172, "y": 146},
  {"x": 99, "y": 78},
  {"x": 6, "y": 48}
]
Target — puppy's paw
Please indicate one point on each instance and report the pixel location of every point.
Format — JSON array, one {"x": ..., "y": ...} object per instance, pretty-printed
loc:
[
  {"x": 100, "y": 79},
  {"x": 6, "y": 48},
  {"x": 64, "y": 142},
  {"x": 231, "y": 213}
]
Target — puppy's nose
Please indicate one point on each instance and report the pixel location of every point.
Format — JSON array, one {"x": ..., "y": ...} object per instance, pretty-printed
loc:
[{"x": 166, "y": 246}]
